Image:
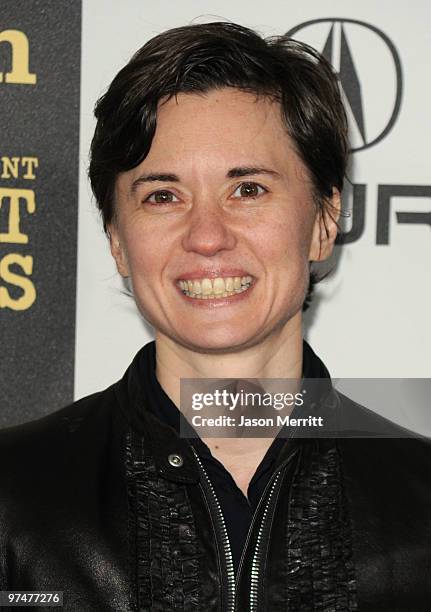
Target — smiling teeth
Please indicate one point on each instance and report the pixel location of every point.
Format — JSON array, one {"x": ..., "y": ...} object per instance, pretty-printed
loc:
[{"x": 215, "y": 288}]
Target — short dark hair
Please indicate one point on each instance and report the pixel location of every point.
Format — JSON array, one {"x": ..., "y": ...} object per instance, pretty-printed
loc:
[{"x": 202, "y": 57}]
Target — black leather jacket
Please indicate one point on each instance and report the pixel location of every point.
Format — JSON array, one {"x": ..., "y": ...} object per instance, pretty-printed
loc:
[{"x": 90, "y": 505}]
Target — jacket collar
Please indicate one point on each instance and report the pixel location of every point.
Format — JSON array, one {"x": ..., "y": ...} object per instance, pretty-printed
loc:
[{"x": 160, "y": 441}]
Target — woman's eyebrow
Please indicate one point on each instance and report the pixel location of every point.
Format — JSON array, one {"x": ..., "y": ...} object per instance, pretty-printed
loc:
[
  {"x": 150, "y": 178},
  {"x": 250, "y": 171}
]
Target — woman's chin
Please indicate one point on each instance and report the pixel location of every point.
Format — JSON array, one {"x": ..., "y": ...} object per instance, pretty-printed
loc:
[{"x": 222, "y": 340}]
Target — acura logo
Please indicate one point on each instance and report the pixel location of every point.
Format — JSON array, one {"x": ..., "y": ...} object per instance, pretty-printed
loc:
[{"x": 369, "y": 69}]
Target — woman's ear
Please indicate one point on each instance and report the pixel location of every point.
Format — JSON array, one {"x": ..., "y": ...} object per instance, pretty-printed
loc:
[
  {"x": 325, "y": 228},
  {"x": 117, "y": 250}
]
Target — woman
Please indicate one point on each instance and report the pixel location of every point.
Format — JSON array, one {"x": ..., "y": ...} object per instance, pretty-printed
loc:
[{"x": 217, "y": 163}]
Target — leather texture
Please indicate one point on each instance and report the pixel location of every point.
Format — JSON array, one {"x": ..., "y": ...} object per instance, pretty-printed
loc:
[{"x": 91, "y": 506}]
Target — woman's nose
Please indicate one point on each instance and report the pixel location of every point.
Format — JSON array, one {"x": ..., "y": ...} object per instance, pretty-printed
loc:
[{"x": 207, "y": 231}]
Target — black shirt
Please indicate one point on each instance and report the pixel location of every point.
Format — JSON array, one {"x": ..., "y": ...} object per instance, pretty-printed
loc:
[{"x": 236, "y": 507}]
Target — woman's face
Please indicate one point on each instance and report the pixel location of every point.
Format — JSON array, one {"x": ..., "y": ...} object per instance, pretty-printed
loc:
[{"x": 216, "y": 227}]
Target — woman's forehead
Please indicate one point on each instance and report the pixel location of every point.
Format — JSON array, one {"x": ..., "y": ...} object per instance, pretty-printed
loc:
[{"x": 217, "y": 132}]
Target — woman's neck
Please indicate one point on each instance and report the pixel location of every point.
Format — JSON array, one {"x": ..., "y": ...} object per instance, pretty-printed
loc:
[{"x": 277, "y": 356}]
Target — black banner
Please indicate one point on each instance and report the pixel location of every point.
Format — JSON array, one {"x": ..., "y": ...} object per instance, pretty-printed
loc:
[{"x": 40, "y": 50}]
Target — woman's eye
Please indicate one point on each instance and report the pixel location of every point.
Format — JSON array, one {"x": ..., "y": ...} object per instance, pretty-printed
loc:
[
  {"x": 161, "y": 197},
  {"x": 249, "y": 190}
]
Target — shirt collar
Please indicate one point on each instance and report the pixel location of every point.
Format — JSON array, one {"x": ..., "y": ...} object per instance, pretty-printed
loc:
[{"x": 161, "y": 406}]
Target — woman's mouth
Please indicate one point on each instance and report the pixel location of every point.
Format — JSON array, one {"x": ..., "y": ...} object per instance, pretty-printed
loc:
[{"x": 215, "y": 288}]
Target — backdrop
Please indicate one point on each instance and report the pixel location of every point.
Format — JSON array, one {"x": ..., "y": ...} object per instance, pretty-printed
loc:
[{"x": 67, "y": 329}]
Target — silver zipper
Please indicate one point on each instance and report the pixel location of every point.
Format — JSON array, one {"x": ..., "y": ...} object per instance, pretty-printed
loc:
[
  {"x": 255, "y": 571},
  {"x": 230, "y": 571},
  {"x": 255, "y": 565},
  {"x": 254, "y": 579}
]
